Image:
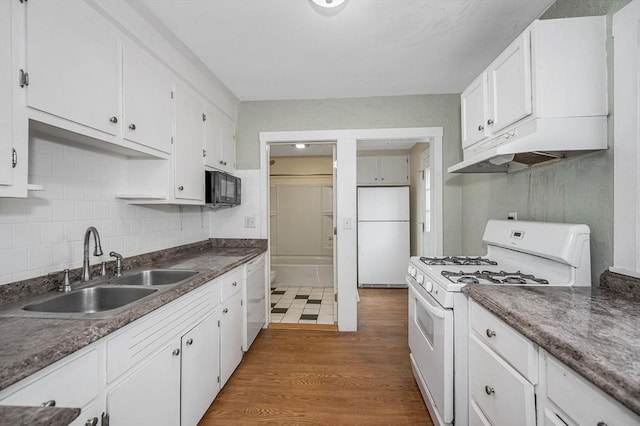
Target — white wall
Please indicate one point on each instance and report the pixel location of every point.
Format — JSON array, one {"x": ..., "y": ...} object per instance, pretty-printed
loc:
[{"x": 45, "y": 232}]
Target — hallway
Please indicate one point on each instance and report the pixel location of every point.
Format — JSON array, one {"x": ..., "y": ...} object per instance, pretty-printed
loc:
[{"x": 319, "y": 377}]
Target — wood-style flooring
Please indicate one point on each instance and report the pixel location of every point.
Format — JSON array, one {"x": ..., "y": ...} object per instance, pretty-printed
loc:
[{"x": 326, "y": 377}]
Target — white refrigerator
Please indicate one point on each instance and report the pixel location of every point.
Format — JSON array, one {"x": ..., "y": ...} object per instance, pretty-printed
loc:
[{"x": 383, "y": 236}]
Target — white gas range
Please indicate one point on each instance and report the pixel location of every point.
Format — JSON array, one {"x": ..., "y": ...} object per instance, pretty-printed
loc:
[{"x": 518, "y": 253}]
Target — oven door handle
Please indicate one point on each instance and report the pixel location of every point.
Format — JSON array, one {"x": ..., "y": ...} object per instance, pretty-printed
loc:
[{"x": 435, "y": 310}]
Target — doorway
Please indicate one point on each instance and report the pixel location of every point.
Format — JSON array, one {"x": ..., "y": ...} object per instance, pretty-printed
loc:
[{"x": 301, "y": 233}]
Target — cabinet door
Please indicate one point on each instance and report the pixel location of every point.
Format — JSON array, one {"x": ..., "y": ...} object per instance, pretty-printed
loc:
[
  {"x": 200, "y": 369},
  {"x": 146, "y": 99},
  {"x": 6, "y": 96},
  {"x": 510, "y": 82},
  {"x": 394, "y": 170},
  {"x": 189, "y": 171},
  {"x": 150, "y": 395},
  {"x": 212, "y": 135},
  {"x": 230, "y": 337},
  {"x": 367, "y": 171},
  {"x": 228, "y": 144},
  {"x": 73, "y": 62},
  {"x": 474, "y": 107}
]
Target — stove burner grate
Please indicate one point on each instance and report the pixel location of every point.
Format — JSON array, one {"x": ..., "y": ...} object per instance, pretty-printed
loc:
[
  {"x": 491, "y": 277},
  {"x": 457, "y": 260}
]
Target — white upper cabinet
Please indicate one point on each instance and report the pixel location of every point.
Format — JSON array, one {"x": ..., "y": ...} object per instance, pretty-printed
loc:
[
  {"x": 555, "y": 69},
  {"x": 383, "y": 170},
  {"x": 147, "y": 89},
  {"x": 73, "y": 63},
  {"x": 220, "y": 140},
  {"x": 187, "y": 155}
]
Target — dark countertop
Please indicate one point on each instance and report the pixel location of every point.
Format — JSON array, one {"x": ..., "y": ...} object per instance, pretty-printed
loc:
[
  {"x": 594, "y": 331},
  {"x": 29, "y": 416},
  {"x": 27, "y": 346}
]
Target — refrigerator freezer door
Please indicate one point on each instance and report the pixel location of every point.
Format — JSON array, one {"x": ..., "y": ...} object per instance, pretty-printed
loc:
[
  {"x": 383, "y": 203},
  {"x": 383, "y": 253}
]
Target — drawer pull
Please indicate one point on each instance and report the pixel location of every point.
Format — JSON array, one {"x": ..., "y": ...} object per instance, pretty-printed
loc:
[
  {"x": 601, "y": 424},
  {"x": 489, "y": 390},
  {"x": 235, "y": 283},
  {"x": 176, "y": 352},
  {"x": 189, "y": 342},
  {"x": 92, "y": 422},
  {"x": 490, "y": 333},
  {"x": 49, "y": 403}
]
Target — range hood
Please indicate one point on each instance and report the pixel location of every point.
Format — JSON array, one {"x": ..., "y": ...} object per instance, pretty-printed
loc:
[{"x": 535, "y": 141}]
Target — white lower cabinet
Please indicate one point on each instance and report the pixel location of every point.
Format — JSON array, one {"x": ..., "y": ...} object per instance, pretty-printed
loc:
[
  {"x": 230, "y": 324},
  {"x": 70, "y": 382},
  {"x": 149, "y": 395}
]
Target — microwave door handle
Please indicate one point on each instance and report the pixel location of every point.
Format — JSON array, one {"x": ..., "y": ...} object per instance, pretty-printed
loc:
[{"x": 435, "y": 310}]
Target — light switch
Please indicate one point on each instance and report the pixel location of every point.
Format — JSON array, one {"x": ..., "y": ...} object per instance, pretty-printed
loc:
[{"x": 346, "y": 223}]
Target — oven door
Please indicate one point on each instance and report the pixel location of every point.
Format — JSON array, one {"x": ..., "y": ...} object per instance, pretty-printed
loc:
[{"x": 431, "y": 345}]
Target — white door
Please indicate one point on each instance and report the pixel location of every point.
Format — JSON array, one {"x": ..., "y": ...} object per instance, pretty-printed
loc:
[
  {"x": 230, "y": 336},
  {"x": 383, "y": 252},
  {"x": 189, "y": 171},
  {"x": 474, "y": 107},
  {"x": 200, "y": 369},
  {"x": 73, "y": 61},
  {"x": 335, "y": 234}
]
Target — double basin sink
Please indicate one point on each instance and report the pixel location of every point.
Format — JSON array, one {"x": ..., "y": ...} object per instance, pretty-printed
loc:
[{"x": 106, "y": 298}]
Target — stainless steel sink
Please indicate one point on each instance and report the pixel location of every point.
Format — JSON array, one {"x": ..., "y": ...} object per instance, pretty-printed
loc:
[
  {"x": 90, "y": 300},
  {"x": 153, "y": 277}
]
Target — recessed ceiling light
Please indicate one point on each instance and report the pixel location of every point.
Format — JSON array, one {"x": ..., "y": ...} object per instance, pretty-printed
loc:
[
  {"x": 300, "y": 145},
  {"x": 328, "y": 3}
]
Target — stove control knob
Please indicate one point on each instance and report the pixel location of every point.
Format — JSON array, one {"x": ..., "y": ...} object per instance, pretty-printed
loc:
[
  {"x": 428, "y": 286},
  {"x": 420, "y": 279},
  {"x": 412, "y": 271}
]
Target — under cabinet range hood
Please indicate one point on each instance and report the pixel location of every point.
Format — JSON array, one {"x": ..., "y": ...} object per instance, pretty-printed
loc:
[{"x": 533, "y": 142}]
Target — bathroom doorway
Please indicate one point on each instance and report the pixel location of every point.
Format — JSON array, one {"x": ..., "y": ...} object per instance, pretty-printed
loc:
[{"x": 301, "y": 233}]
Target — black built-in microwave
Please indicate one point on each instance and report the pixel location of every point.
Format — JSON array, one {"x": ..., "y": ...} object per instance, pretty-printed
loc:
[{"x": 222, "y": 189}]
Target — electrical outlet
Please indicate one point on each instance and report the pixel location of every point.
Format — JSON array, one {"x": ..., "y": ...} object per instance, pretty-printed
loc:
[
  {"x": 512, "y": 216},
  {"x": 249, "y": 222}
]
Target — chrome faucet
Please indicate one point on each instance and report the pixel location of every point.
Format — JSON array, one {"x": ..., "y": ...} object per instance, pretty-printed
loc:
[
  {"x": 118, "y": 257},
  {"x": 86, "y": 273}
]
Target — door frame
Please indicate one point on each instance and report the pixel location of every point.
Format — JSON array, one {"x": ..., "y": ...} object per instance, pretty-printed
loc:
[{"x": 346, "y": 197}]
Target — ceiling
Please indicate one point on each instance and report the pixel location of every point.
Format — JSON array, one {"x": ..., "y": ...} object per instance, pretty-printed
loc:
[{"x": 292, "y": 49}]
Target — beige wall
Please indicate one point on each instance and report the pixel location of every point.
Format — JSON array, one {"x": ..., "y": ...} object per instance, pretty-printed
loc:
[
  {"x": 363, "y": 113},
  {"x": 576, "y": 190},
  {"x": 301, "y": 169},
  {"x": 416, "y": 196}
]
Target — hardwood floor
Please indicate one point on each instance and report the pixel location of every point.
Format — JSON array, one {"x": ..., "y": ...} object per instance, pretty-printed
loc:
[{"x": 325, "y": 377}]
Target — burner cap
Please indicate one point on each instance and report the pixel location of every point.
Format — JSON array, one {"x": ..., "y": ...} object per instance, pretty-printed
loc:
[{"x": 468, "y": 280}]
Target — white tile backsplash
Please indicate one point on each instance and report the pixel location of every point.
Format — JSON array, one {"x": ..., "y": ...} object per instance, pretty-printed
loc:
[{"x": 45, "y": 232}]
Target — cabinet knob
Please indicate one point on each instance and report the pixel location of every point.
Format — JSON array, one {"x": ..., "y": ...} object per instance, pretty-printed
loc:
[
  {"x": 224, "y": 163},
  {"x": 50, "y": 403},
  {"x": 490, "y": 333},
  {"x": 220, "y": 162},
  {"x": 225, "y": 310},
  {"x": 113, "y": 119},
  {"x": 91, "y": 422},
  {"x": 235, "y": 284},
  {"x": 601, "y": 424},
  {"x": 480, "y": 128},
  {"x": 189, "y": 342},
  {"x": 176, "y": 352},
  {"x": 490, "y": 121},
  {"x": 489, "y": 390},
  {"x": 132, "y": 126},
  {"x": 180, "y": 187}
]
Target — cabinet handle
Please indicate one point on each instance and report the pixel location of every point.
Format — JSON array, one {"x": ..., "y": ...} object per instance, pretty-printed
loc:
[
  {"x": 490, "y": 333},
  {"x": 132, "y": 126},
  {"x": 50, "y": 403},
  {"x": 113, "y": 119},
  {"x": 235, "y": 283},
  {"x": 601, "y": 424},
  {"x": 176, "y": 352},
  {"x": 489, "y": 390},
  {"x": 490, "y": 121},
  {"x": 480, "y": 128},
  {"x": 91, "y": 422},
  {"x": 14, "y": 158},
  {"x": 180, "y": 187},
  {"x": 225, "y": 310},
  {"x": 189, "y": 342},
  {"x": 224, "y": 162}
]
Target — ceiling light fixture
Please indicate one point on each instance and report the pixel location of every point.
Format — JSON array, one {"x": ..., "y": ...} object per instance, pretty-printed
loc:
[
  {"x": 328, "y": 3},
  {"x": 301, "y": 145}
]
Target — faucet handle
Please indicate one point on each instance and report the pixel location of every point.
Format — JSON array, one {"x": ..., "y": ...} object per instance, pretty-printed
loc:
[
  {"x": 66, "y": 283},
  {"x": 118, "y": 257}
]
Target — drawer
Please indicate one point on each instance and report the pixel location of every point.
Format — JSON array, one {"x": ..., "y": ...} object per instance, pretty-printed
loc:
[
  {"x": 70, "y": 382},
  {"x": 230, "y": 283},
  {"x": 502, "y": 394},
  {"x": 146, "y": 335},
  {"x": 569, "y": 391},
  {"x": 516, "y": 349}
]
